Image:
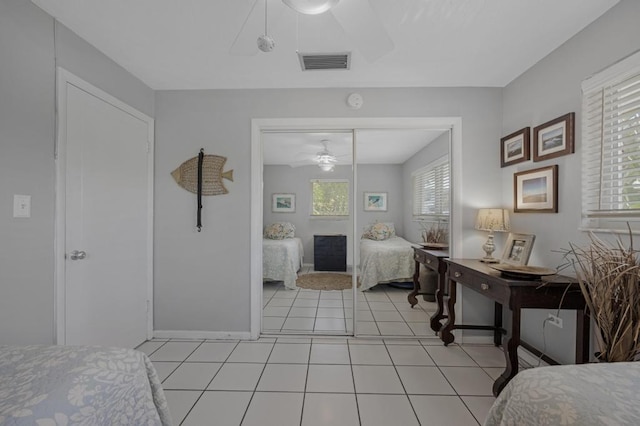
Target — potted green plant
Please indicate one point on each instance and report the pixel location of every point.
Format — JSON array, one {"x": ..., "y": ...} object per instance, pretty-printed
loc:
[{"x": 609, "y": 277}]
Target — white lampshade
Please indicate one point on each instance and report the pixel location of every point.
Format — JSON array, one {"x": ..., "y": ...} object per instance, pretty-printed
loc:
[
  {"x": 493, "y": 220},
  {"x": 310, "y": 7},
  {"x": 326, "y": 167}
]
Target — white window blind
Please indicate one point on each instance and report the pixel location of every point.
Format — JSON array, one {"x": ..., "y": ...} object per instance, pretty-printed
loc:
[
  {"x": 329, "y": 197},
  {"x": 431, "y": 187},
  {"x": 611, "y": 146}
]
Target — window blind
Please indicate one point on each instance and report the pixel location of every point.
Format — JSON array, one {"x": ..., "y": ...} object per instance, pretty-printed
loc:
[
  {"x": 611, "y": 145},
  {"x": 431, "y": 188}
]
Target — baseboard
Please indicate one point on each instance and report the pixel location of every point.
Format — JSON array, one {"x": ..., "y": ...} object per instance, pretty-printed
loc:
[
  {"x": 199, "y": 335},
  {"x": 477, "y": 340},
  {"x": 530, "y": 359}
]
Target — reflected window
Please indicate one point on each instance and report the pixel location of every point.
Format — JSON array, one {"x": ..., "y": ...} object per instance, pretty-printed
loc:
[
  {"x": 431, "y": 186},
  {"x": 329, "y": 197}
]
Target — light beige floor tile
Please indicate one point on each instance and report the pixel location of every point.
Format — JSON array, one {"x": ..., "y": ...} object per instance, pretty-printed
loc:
[
  {"x": 479, "y": 406},
  {"x": 470, "y": 381},
  {"x": 494, "y": 372},
  {"x": 311, "y": 295},
  {"x": 180, "y": 402},
  {"x": 290, "y": 353},
  {"x": 272, "y": 323},
  {"x": 294, "y": 340},
  {"x": 394, "y": 328},
  {"x": 486, "y": 355},
  {"x": 164, "y": 368},
  {"x": 331, "y": 294},
  {"x": 149, "y": 346},
  {"x": 408, "y": 341},
  {"x": 382, "y": 306},
  {"x": 376, "y": 379},
  {"x": 442, "y": 410},
  {"x": 330, "y": 303},
  {"x": 364, "y": 315},
  {"x": 386, "y": 410},
  {"x": 303, "y": 312},
  {"x": 283, "y": 378},
  {"x": 242, "y": 377},
  {"x": 409, "y": 355},
  {"x": 424, "y": 380},
  {"x": 415, "y": 316},
  {"x": 324, "y": 353},
  {"x": 387, "y": 316},
  {"x": 366, "y": 341},
  {"x": 221, "y": 408},
  {"x": 274, "y": 409},
  {"x": 274, "y": 303},
  {"x": 251, "y": 352},
  {"x": 367, "y": 328},
  {"x": 421, "y": 328},
  {"x": 369, "y": 355},
  {"x": 192, "y": 376},
  {"x": 330, "y": 324},
  {"x": 330, "y": 313},
  {"x": 212, "y": 352},
  {"x": 276, "y": 311},
  {"x": 327, "y": 409},
  {"x": 450, "y": 356},
  {"x": 174, "y": 351},
  {"x": 329, "y": 378},
  {"x": 299, "y": 324},
  {"x": 305, "y": 303}
]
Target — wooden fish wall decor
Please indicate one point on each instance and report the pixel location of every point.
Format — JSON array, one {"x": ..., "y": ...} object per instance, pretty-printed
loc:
[{"x": 203, "y": 175}]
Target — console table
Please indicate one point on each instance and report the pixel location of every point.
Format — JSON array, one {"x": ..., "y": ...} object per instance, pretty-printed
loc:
[
  {"x": 434, "y": 260},
  {"x": 550, "y": 292}
]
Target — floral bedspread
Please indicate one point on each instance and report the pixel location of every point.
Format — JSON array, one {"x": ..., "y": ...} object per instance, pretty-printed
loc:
[
  {"x": 81, "y": 385},
  {"x": 385, "y": 261},
  {"x": 281, "y": 260},
  {"x": 585, "y": 395}
]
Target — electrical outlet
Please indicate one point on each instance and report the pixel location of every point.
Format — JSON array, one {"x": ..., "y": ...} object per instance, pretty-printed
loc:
[{"x": 557, "y": 321}]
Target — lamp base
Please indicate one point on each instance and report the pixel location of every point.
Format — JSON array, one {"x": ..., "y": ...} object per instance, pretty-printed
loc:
[{"x": 489, "y": 260}]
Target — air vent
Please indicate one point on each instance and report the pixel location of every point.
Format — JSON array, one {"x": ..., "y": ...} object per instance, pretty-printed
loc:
[{"x": 325, "y": 61}]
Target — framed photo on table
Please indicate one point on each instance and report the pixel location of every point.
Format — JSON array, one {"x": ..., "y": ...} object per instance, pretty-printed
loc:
[
  {"x": 518, "y": 248},
  {"x": 536, "y": 191},
  {"x": 515, "y": 148},
  {"x": 283, "y": 203},
  {"x": 554, "y": 138},
  {"x": 375, "y": 201}
]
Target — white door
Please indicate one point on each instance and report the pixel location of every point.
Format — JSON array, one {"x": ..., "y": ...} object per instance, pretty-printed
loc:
[{"x": 106, "y": 148}]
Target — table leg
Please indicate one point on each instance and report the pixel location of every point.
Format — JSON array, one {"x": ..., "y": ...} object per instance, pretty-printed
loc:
[
  {"x": 413, "y": 300},
  {"x": 510, "y": 353},
  {"x": 436, "y": 325},
  {"x": 582, "y": 336},
  {"x": 497, "y": 322},
  {"x": 445, "y": 332}
]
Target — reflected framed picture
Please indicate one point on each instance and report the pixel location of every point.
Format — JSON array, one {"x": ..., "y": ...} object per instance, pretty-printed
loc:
[
  {"x": 375, "y": 201},
  {"x": 554, "y": 138},
  {"x": 515, "y": 148},
  {"x": 536, "y": 191},
  {"x": 517, "y": 250},
  {"x": 283, "y": 203}
]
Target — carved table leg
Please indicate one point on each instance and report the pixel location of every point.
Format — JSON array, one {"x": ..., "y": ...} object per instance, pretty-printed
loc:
[
  {"x": 438, "y": 315},
  {"x": 497, "y": 322},
  {"x": 413, "y": 300},
  {"x": 510, "y": 353},
  {"x": 445, "y": 332}
]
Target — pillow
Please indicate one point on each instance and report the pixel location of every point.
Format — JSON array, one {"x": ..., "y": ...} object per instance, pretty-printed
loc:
[
  {"x": 279, "y": 231},
  {"x": 379, "y": 231}
]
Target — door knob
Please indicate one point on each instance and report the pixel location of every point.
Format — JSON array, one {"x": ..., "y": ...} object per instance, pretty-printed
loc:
[{"x": 77, "y": 255}]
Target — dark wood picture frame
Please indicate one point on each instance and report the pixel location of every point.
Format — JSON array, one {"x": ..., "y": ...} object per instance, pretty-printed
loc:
[
  {"x": 536, "y": 191},
  {"x": 554, "y": 138},
  {"x": 515, "y": 148}
]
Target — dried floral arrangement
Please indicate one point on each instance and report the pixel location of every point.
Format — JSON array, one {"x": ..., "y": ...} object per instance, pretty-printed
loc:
[
  {"x": 609, "y": 277},
  {"x": 437, "y": 233}
]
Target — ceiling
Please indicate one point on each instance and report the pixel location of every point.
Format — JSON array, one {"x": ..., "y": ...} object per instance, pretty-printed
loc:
[
  {"x": 393, "y": 146},
  {"x": 185, "y": 44}
]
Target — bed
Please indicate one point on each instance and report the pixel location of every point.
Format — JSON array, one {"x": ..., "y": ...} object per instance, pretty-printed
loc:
[
  {"x": 604, "y": 394},
  {"x": 281, "y": 260},
  {"x": 60, "y": 385},
  {"x": 385, "y": 261}
]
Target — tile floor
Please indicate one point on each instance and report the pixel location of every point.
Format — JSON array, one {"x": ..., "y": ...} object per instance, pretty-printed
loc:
[
  {"x": 381, "y": 311},
  {"x": 325, "y": 381}
]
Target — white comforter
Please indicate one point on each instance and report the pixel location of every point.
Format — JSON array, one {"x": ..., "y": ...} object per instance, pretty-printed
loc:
[
  {"x": 281, "y": 260},
  {"x": 385, "y": 261}
]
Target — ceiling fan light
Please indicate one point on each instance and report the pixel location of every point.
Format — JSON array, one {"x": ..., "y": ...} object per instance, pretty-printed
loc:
[
  {"x": 310, "y": 7},
  {"x": 326, "y": 167}
]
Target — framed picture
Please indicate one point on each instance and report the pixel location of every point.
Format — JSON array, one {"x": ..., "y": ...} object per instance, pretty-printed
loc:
[
  {"x": 554, "y": 138},
  {"x": 375, "y": 201},
  {"x": 283, "y": 203},
  {"x": 518, "y": 249},
  {"x": 514, "y": 148},
  {"x": 536, "y": 190}
]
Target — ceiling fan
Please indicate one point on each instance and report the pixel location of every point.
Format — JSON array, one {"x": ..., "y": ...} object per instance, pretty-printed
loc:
[
  {"x": 358, "y": 19},
  {"x": 325, "y": 159}
]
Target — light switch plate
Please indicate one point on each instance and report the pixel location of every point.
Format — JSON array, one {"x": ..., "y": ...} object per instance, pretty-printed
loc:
[{"x": 21, "y": 205}]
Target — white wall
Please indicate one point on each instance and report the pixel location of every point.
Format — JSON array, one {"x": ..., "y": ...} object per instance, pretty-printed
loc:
[
  {"x": 202, "y": 280},
  {"x": 27, "y": 132},
  {"x": 549, "y": 89}
]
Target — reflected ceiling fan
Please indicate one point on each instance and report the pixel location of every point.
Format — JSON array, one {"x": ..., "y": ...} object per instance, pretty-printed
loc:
[
  {"x": 358, "y": 19},
  {"x": 325, "y": 159}
]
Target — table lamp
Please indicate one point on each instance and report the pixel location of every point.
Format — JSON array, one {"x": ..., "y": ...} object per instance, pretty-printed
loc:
[{"x": 492, "y": 220}]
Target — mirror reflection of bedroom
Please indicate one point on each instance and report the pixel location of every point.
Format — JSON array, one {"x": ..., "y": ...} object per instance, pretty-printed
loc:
[{"x": 309, "y": 212}]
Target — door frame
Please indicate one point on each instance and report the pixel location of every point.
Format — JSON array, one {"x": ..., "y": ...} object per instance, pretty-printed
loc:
[
  {"x": 63, "y": 78},
  {"x": 258, "y": 125}
]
